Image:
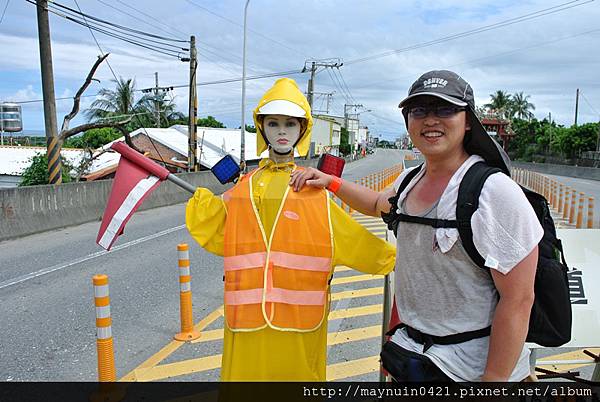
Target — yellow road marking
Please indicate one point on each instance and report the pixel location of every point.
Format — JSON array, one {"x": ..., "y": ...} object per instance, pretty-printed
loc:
[
  {"x": 172, "y": 346},
  {"x": 356, "y": 311},
  {"x": 211, "y": 335},
  {"x": 350, "y": 294},
  {"x": 176, "y": 369},
  {"x": 352, "y": 368},
  {"x": 355, "y": 278},
  {"x": 353, "y": 335},
  {"x": 342, "y": 268}
]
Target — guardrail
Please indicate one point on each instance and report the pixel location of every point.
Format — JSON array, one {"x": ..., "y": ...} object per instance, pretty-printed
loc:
[{"x": 566, "y": 201}]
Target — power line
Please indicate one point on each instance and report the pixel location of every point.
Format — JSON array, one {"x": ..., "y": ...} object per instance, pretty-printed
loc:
[
  {"x": 249, "y": 29},
  {"x": 471, "y": 61},
  {"x": 4, "y": 11},
  {"x": 112, "y": 24},
  {"x": 171, "y": 30},
  {"x": 588, "y": 102},
  {"x": 205, "y": 83},
  {"x": 510, "y": 21},
  {"x": 164, "y": 51}
]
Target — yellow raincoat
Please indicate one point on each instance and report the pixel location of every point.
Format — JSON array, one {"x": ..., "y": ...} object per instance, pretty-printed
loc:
[{"x": 268, "y": 354}]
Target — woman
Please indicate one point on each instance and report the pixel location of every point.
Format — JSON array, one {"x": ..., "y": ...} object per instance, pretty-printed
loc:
[{"x": 280, "y": 249}]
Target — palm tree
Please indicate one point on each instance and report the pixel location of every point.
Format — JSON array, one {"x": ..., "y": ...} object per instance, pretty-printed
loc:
[
  {"x": 147, "y": 105},
  {"x": 117, "y": 102},
  {"x": 501, "y": 103},
  {"x": 521, "y": 107}
]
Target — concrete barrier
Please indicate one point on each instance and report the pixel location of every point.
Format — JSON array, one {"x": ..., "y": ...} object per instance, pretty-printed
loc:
[
  {"x": 561, "y": 170},
  {"x": 29, "y": 210}
]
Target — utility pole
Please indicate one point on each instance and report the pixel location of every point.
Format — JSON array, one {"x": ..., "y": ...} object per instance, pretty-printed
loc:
[
  {"x": 576, "y": 105},
  {"x": 52, "y": 143},
  {"x": 347, "y": 120},
  {"x": 156, "y": 103},
  {"x": 329, "y": 95},
  {"x": 312, "y": 65},
  {"x": 158, "y": 96},
  {"x": 311, "y": 84},
  {"x": 193, "y": 109}
]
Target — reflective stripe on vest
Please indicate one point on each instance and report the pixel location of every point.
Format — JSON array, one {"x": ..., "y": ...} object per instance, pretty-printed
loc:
[{"x": 279, "y": 280}]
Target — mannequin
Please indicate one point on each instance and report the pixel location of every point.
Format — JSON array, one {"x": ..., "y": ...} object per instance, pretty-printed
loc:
[{"x": 280, "y": 250}]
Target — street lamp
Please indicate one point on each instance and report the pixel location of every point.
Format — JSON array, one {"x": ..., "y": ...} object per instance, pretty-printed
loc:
[{"x": 243, "y": 128}]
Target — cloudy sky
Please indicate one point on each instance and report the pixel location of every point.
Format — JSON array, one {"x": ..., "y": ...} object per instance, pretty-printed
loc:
[{"x": 547, "y": 49}]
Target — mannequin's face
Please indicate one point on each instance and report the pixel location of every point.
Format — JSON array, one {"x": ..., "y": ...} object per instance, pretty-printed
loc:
[{"x": 282, "y": 132}]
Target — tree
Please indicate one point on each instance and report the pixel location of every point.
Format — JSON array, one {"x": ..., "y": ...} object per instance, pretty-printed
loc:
[
  {"x": 345, "y": 148},
  {"x": 37, "y": 172},
  {"x": 501, "y": 103},
  {"x": 66, "y": 132},
  {"x": 146, "y": 107},
  {"x": 94, "y": 138},
  {"x": 521, "y": 107},
  {"x": 117, "y": 102},
  {"x": 209, "y": 121}
]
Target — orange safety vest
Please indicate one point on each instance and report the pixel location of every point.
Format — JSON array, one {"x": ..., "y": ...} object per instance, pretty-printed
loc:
[{"x": 281, "y": 282}]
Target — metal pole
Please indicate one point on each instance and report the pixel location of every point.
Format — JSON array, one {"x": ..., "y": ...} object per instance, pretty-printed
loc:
[
  {"x": 156, "y": 104},
  {"x": 52, "y": 143},
  {"x": 243, "y": 124},
  {"x": 192, "y": 140},
  {"x": 576, "y": 105}
]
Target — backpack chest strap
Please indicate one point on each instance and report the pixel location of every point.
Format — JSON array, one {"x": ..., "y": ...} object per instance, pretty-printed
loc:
[{"x": 436, "y": 223}]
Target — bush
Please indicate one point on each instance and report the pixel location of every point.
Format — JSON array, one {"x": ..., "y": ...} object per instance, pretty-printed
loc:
[
  {"x": 37, "y": 172},
  {"x": 93, "y": 139}
]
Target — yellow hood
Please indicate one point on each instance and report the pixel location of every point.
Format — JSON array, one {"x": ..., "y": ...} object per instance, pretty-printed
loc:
[{"x": 284, "y": 89}]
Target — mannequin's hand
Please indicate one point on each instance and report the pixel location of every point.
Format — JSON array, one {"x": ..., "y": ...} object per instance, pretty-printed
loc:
[{"x": 310, "y": 177}]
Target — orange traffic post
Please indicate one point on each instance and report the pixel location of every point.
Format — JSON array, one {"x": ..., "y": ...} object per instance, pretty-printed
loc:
[
  {"x": 572, "y": 211},
  {"x": 580, "y": 211},
  {"x": 104, "y": 340},
  {"x": 185, "y": 296},
  {"x": 565, "y": 214},
  {"x": 590, "y": 217},
  {"x": 560, "y": 198}
]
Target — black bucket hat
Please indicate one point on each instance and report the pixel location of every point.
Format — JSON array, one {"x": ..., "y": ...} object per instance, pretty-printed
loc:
[{"x": 451, "y": 88}]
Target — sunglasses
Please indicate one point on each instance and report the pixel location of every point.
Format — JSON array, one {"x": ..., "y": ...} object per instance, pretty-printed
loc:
[{"x": 441, "y": 111}]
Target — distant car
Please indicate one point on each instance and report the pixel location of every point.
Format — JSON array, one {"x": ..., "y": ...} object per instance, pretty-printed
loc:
[{"x": 416, "y": 151}]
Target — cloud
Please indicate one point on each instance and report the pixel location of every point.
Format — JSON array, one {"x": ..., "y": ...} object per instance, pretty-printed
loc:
[{"x": 540, "y": 57}]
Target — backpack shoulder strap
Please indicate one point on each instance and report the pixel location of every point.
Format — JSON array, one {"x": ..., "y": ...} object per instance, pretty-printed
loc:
[
  {"x": 409, "y": 176},
  {"x": 468, "y": 202},
  {"x": 392, "y": 218}
]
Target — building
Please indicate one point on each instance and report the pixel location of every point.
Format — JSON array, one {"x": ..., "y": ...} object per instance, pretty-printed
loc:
[
  {"x": 349, "y": 123},
  {"x": 169, "y": 146},
  {"x": 14, "y": 161},
  {"x": 326, "y": 135},
  {"x": 498, "y": 128}
]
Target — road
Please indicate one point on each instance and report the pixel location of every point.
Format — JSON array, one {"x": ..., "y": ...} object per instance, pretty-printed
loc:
[
  {"x": 47, "y": 304},
  {"x": 47, "y": 299}
]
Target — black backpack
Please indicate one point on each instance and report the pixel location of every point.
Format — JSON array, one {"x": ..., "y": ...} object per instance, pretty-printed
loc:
[{"x": 550, "y": 320}]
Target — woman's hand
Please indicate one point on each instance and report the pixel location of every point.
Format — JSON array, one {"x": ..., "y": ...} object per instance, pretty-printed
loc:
[{"x": 310, "y": 177}]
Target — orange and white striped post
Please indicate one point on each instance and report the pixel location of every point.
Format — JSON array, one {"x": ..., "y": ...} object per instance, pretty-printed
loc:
[
  {"x": 565, "y": 213},
  {"x": 590, "y": 215},
  {"x": 580, "y": 211},
  {"x": 185, "y": 296},
  {"x": 104, "y": 340},
  {"x": 572, "y": 211},
  {"x": 560, "y": 198}
]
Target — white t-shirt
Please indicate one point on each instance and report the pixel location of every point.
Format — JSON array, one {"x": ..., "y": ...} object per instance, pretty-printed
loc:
[{"x": 505, "y": 230}]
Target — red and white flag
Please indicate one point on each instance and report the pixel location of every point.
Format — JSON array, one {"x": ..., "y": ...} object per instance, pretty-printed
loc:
[{"x": 136, "y": 177}]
